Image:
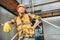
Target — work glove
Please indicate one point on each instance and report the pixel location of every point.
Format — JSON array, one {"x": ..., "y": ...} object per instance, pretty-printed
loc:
[{"x": 6, "y": 27}]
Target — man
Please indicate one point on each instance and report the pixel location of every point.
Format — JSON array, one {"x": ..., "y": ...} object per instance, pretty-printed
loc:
[{"x": 24, "y": 25}]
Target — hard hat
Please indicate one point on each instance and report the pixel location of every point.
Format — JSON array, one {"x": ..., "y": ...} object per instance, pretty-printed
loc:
[{"x": 20, "y": 5}]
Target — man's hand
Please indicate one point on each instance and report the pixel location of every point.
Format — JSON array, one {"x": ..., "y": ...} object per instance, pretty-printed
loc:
[{"x": 6, "y": 27}]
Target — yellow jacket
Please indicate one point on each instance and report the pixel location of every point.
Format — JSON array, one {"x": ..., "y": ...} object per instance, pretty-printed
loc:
[{"x": 23, "y": 25}]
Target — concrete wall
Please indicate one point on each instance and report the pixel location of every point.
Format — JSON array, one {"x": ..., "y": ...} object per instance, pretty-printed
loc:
[
  {"x": 26, "y": 2},
  {"x": 43, "y": 8},
  {"x": 50, "y": 32},
  {"x": 4, "y": 17},
  {"x": 47, "y": 7}
]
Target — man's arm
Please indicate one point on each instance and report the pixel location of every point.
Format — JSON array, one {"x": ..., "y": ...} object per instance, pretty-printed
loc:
[
  {"x": 37, "y": 19},
  {"x": 11, "y": 22},
  {"x": 7, "y": 25}
]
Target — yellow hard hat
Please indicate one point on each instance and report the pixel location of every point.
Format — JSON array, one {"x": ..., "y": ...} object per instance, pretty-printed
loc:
[{"x": 20, "y": 5}]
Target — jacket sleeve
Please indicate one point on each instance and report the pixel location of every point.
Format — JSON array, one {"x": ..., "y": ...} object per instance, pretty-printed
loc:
[
  {"x": 36, "y": 17},
  {"x": 12, "y": 21}
]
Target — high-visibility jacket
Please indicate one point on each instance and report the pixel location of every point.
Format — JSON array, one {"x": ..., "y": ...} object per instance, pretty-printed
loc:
[{"x": 23, "y": 25}]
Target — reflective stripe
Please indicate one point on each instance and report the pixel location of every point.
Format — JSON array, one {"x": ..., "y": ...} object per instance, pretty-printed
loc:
[
  {"x": 20, "y": 30},
  {"x": 27, "y": 23},
  {"x": 30, "y": 29},
  {"x": 19, "y": 24},
  {"x": 23, "y": 24}
]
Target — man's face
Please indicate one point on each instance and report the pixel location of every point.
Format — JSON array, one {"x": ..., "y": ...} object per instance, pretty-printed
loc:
[{"x": 21, "y": 10}]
